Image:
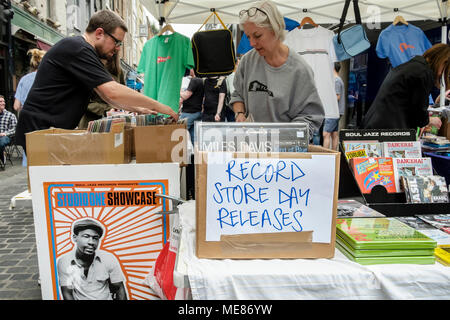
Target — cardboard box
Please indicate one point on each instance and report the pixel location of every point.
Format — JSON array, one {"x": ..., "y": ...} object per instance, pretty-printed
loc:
[
  {"x": 270, "y": 245},
  {"x": 78, "y": 147},
  {"x": 161, "y": 144}
]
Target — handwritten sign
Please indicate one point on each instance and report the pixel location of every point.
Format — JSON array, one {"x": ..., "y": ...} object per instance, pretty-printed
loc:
[{"x": 254, "y": 195}]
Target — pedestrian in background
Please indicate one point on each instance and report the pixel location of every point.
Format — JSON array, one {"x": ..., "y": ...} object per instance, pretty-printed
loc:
[
  {"x": 191, "y": 101},
  {"x": 331, "y": 126},
  {"x": 27, "y": 80},
  {"x": 215, "y": 92},
  {"x": 8, "y": 122}
]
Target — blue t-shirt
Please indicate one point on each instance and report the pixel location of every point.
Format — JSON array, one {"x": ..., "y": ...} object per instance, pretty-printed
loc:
[
  {"x": 24, "y": 87},
  {"x": 401, "y": 43},
  {"x": 244, "y": 44}
]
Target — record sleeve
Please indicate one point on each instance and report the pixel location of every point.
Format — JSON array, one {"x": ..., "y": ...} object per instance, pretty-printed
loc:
[
  {"x": 381, "y": 233},
  {"x": 411, "y": 167},
  {"x": 402, "y": 149}
]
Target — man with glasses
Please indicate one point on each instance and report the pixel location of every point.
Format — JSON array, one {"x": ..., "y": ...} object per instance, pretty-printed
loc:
[{"x": 69, "y": 73}]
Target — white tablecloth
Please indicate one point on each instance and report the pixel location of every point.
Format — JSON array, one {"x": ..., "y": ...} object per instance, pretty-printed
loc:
[{"x": 305, "y": 279}]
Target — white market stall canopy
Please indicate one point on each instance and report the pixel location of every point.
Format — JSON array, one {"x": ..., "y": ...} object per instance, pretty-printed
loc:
[{"x": 321, "y": 11}]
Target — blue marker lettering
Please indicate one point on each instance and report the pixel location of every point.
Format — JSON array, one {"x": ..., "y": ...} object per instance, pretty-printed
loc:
[
  {"x": 279, "y": 223},
  {"x": 300, "y": 213},
  {"x": 231, "y": 165},
  {"x": 303, "y": 194},
  {"x": 243, "y": 174},
  {"x": 253, "y": 217},
  {"x": 265, "y": 216},
  {"x": 261, "y": 193},
  {"x": 279, "y": 170},
  {"x": 251, "y": 171},
  {"x": 248, "y": 193},
  {"x": 216, "y": 185},
  {"x": 294, "y": 177},
  {"x": 271, "y": 174}
]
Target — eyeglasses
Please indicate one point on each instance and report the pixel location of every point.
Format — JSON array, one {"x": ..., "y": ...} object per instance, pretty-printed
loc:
[
  {"x": 116, "y": 41},
  {"x": 251, "y": 12}
]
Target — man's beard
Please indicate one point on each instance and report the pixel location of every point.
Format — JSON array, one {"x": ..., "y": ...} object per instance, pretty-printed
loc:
[{"x": 101, "y": 54}]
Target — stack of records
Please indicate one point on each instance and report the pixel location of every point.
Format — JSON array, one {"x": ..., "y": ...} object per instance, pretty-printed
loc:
[{"x": 383, "y": 241}]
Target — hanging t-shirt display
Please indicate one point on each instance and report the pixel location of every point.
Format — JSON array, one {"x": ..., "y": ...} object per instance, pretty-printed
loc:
[
  {"x": 402, "y": 42},
  {"x": 164, "y": 61},
  {"x": 316, "y": 47}
]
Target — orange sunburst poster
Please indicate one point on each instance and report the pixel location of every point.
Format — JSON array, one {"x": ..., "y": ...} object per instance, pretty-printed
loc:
[{"x": 102, "y": 236}]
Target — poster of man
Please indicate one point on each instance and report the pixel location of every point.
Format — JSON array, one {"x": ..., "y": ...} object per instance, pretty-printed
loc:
[{"x": 87, "y": 273}]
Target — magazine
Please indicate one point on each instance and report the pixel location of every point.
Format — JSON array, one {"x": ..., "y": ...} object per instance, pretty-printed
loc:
[
  {"x": 440, "y": 221},
  {"x": 353, "y": 208},
  {"x": 411, "y": 167},
  {"x": 427, "y": 229},
  {"x": 429, "y": 189},
  {"x": 404, "y": 149},
  {"x": 358, "y": 149},
  {"x": 370, "y": 172}
]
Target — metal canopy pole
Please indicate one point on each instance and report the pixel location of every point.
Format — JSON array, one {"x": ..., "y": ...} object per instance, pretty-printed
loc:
[{"x": 444, "y": 39}]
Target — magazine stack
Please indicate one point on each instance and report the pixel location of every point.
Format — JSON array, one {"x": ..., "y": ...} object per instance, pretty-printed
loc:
[
  {"x": 370, "y": 241},
  {"x": 437, "y": 227}
]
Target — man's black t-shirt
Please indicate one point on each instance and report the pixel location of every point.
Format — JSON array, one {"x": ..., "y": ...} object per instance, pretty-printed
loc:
[
  {"x": 60, "y": 94},
  {"x": 194, "y": 103},
  {"x": 402, "y": 101},
  {"x": 212, "y": 95}
]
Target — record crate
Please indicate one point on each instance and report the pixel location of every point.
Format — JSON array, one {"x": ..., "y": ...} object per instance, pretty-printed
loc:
[{"x": 389, "y": 204}]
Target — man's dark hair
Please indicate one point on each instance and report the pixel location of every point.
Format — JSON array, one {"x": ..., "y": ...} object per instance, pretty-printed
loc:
[
  {"x": 107, "y": 20},
  {"x": 337, "y": 66}
]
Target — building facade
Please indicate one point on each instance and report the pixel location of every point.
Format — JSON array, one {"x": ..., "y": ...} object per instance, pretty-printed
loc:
[{"x": 42, "y": 23}]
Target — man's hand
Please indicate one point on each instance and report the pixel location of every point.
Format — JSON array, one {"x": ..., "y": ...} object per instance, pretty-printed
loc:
[{"x": 436, "y": 122}]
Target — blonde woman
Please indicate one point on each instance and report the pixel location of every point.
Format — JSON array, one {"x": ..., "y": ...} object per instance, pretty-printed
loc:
[
  {"x": 26, "y": 82},
  {"x": 273, "y": 82}
]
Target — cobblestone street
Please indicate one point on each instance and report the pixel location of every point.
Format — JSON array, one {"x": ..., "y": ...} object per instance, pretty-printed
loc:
[{"x": 19, "y": 271}]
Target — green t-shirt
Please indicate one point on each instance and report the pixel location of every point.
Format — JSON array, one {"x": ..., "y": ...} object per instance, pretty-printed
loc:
[{"x": 164, "y": 61}]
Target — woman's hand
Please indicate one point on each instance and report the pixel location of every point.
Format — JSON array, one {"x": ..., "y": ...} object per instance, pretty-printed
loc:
[{"x": 217, "y": 117}]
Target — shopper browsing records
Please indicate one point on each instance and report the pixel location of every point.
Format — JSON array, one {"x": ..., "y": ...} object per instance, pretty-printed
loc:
[
  {"x": 402, "y": 100},
  {"x": 191, "y": 101},
  {"x": 71, "y": 70},
  {"x": 27, "y": 80},
  {"x": 272, "y": 82},
  {"x": 87, "y": 273},
  {"x": 215, "y": 92},
  {"x": 97, "y": 108},
  {"x": 331, "y": 125}
]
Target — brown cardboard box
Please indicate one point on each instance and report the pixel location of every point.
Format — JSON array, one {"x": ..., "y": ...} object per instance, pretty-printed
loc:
[
  {"x": 155, "y": 144},
  {"x": 74, "y": 147},
  {"x": 283, "y": 245}
]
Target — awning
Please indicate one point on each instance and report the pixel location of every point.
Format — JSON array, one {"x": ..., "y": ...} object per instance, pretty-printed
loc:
[
  {"x": 25, "y": 21},
  {"x": 42, "y": 45},
  {"x": 321, "y": 11}
]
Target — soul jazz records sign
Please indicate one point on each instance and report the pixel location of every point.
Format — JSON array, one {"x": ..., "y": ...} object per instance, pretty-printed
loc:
[
  {"x": 118, "y": 199},
  {"x": 269, "y": 195}
]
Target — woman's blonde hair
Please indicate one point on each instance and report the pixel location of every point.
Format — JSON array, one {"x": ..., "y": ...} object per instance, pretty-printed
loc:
[
  {"x": 271, "y": 18},
  {"x": 36, "y": 58}
]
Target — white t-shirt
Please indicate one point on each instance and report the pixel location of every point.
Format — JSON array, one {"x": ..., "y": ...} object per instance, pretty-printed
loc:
[{"x": 316, "y": 47}]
